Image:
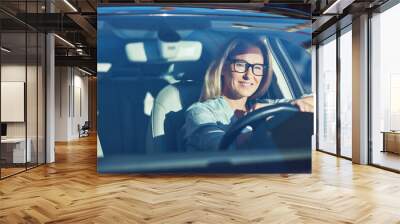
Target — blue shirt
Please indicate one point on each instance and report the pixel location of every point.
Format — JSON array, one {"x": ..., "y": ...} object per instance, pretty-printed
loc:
[{"x": 206, "y": 123}]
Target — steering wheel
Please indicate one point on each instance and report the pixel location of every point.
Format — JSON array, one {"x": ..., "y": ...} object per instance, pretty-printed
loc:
[{"x": 273, "y": 116}]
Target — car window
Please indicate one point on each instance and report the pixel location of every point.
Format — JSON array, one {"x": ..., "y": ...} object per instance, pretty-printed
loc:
[
  {"x": 281, "y": 82},
  {"x": 300, "y": 61}
]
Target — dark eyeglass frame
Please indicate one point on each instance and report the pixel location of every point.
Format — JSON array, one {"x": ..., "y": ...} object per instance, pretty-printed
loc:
[{"x": 247, "y": 65}]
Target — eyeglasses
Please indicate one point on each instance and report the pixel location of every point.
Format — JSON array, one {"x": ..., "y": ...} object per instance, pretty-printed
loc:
[{"x": 242, "y": 67}]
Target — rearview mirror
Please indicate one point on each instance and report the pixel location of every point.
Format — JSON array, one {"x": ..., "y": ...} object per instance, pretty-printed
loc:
[{"x": 155, "y": 51}]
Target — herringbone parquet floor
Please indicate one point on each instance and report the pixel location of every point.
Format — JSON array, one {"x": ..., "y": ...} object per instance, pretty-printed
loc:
[{"x": 70, "y": 191}]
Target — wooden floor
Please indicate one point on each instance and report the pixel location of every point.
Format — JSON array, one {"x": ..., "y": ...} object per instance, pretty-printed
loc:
[
  {"x": 70, "y": 191},
  {"x": 387, "y": 159},
  {"x": 10, "y": 171}
]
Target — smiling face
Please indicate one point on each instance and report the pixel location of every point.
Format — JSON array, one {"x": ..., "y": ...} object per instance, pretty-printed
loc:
[{"x": 237, "y": 85}]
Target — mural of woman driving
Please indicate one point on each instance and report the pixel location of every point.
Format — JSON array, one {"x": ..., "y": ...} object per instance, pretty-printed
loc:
[{"x": 232, "y": 85}]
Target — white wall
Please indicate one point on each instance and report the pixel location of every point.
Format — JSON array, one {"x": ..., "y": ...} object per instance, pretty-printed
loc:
[
  {"x": 79, "y": 117},
  {"x": 12, "y": 73},
  {"x": 70, "y": 83},
  {"x": 61, "y": 103},
  {"x": 50, "y": 95}
]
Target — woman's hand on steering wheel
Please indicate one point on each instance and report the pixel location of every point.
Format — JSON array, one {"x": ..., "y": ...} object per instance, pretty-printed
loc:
[
  {"x": 305, "y": 104},
  {"x": 275, "y": 114}
]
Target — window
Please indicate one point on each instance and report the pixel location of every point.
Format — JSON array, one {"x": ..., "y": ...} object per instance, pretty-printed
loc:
[
  {"x": 385, "y": 87},
  {"x": 346, "y": 92},
  {"x": 327, "y": 95}
]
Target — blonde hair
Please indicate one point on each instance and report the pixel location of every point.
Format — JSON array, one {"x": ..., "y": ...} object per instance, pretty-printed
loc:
[{"x": 212, "y": 87}]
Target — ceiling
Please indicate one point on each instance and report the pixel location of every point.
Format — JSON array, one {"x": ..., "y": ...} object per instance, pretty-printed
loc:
[{"x": 75, "y": 21}]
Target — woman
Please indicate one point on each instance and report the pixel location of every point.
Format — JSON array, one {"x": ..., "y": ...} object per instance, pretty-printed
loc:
[{"x": 231, "y": 87}]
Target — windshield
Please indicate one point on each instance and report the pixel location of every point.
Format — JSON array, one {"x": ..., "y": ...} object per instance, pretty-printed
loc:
[{"x": 156, "y": 63}]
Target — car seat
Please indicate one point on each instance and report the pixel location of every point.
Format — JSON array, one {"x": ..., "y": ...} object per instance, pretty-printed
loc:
[{"x": 168, "y": 115}]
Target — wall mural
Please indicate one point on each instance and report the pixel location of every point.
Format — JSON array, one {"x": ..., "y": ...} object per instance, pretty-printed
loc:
[{"x": 204, "y": 89}]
